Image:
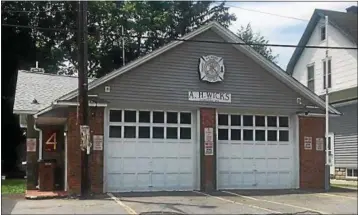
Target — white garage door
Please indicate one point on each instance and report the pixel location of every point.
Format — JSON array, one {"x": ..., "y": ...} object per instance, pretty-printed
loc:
[
  {"x": 150, "y": 150},
  {"x": 254, "y": 152}
]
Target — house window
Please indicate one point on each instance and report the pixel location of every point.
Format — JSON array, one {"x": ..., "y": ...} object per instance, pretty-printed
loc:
[
  {"x": 352, "y": 173},
  {"x": 323, "y": 33},
  {"x": 310, "y": 77},
  {"x": 329, "y": 74}
]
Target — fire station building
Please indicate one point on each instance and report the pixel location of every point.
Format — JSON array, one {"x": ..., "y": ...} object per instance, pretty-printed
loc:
[{"x": 188, "y": 116}]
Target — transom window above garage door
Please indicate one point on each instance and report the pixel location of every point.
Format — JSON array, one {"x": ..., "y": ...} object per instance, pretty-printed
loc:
[
  {"x": 144, "y": 124},
  {"x": 253, "y": 128}
]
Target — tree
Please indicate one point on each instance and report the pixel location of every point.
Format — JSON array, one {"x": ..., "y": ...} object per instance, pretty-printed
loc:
[
  {"x": 162, "y": 21},
  {"x": 248, "y": 36}
]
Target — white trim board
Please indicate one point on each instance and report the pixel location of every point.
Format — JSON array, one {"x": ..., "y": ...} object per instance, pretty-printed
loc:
[
  {"x": 269, "y": 66},
  {"x": 345, "y": 103}
]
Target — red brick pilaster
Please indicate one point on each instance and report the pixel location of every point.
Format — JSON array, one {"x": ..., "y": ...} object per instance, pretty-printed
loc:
[
  {"x": 74, "y": 152},
  {"x": 312, "y": 162},
  {"x": 96, "y": 158},
  {"x": 207, "y": 162}
]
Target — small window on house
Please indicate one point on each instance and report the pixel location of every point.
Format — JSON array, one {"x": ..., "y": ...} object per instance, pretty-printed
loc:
[
  {"x": 235, "y": 134},
  {"x": 260, "y": 135},
  {"x": 130, "y": 116},
  {"x": 248, "y": 134},
  {"x": 185, "y": 133},
  {"x": 329, "y": 74},
  {"x": 223, "y": 134},
  {"x": 248, "y": 120},
  {"x": 144, "y": 116},
  {"x": 115, "y": 131},
  {"x": 158, "y": 132},
  {"x": 310, "y": 77},
  {"x": 172, "y": 133},
  {"x": 272, "y": 135},
  {"x": 323, "y": 32},
  {"x": 129, "y": 131},
  {"x": 185, "y": 118},
  {"x": 283, "y": 122},
  {"x": 115, "y": 115},
  {"x": 172, "y": 117},
  {"x": 260, "y": 121},
  {"x": 235, "y": 120},
  {"x": 223, "y": 119},
  {"x": 352, "y": 173},
  {"x": 271, "y": 121},
  {"x": 144, "y": 132},
  {"x": 158, "y": 117}
]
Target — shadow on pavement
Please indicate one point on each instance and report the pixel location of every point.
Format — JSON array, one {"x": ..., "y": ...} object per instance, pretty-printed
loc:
[
  {"x": 157, "y": 194},
  {"x": 343, "y": 190},
  {"x": 166, "y": 203}
]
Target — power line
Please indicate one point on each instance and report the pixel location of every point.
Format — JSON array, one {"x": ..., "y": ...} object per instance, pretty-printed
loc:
[
  {"x": 198, "y": 41},
  {"x": 36, "y": 11},
  {"x": 272, "y": 14},
  {"x": 234, "y": 6},
  {"x": 39, "y": 28}
]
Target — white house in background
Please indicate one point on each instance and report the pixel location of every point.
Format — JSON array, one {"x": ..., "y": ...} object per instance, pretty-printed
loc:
[{"x": 308, "y": 67}]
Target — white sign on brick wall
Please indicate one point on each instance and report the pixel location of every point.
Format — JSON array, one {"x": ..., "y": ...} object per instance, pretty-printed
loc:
[
  {"x": 97, "y": 142},
  {"x": 308, "y": 143},
  {"x": 31, "y": 144},
  {"x": 319, "y": 144}
]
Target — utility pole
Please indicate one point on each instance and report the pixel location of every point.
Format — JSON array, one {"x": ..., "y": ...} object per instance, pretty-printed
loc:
[
  {"x": 327, "y": 166},
  {"x": 83, "y": 95}
]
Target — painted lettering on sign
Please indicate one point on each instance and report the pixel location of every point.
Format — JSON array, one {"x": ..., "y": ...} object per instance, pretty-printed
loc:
[
  {"x": 308, "y": 143},
  {"x": 97, "y": 142},
  {"x": 209, "y": 141},
  {"x": 209, "y": 136},
  {"x": 209, "y": 96}
]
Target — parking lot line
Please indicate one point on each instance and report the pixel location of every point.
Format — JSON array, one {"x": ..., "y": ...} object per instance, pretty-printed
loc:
[
  {"x": 273, "y": 202},
  {"x": 118, "y": 201},
  {"x": 238, "y": 203}
]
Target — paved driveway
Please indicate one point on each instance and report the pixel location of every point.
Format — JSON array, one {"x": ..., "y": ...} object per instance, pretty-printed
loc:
[
  {"x": 99, "y": 205},
  {"x": 241, "y": 202},
  {"x": 337, "y": 201}
]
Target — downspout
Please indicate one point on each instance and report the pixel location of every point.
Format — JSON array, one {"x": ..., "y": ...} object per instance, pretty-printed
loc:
[{"x": 40, "y": 138}]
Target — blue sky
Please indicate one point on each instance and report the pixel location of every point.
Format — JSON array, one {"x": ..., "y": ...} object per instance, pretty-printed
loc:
[{"x": 280, "y": 30}]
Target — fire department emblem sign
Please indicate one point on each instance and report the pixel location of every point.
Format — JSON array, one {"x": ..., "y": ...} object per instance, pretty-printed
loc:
[{"x": 211, "y": 68}]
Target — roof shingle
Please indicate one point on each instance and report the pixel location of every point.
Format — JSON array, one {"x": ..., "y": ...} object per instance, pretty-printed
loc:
[{"x": 43, "y": 87}]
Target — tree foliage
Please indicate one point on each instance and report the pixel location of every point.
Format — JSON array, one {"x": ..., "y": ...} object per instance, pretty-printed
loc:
[
  {"x": 56, "y": 50},
  {"x": 249, "y": 36}
]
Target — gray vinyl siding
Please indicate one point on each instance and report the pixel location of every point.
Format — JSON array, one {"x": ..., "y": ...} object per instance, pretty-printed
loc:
[
  {"x": 345, "y": 136},
  {"x": 165, "y": 81}
]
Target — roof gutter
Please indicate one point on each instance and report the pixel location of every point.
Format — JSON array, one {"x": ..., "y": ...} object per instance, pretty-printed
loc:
[{"x": 91, "y": 104}]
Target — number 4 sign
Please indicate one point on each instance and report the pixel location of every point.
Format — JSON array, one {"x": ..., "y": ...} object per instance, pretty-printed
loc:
[{"x": 51, "y": 143}]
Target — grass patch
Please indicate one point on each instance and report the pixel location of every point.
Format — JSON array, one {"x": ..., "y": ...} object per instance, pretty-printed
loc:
[
  {"x": 13, "y": 186},
  {"x": 344, "y": 186}
]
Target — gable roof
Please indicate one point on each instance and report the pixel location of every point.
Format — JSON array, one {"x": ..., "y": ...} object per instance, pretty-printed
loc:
[
  {"x": 346, "y": 23},
  {"x": 228, "y": 36},
  {"x": 43, "y": 87}
]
